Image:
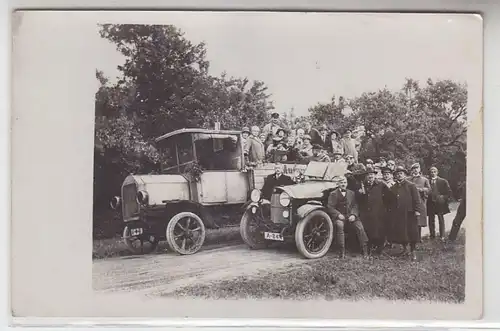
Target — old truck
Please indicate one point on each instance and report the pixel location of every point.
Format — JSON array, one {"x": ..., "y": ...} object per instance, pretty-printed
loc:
[{"x": 203, "y": 177}]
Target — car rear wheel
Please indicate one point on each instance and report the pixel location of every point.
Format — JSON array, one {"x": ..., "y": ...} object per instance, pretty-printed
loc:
[
  {"x": 314, "y": 234},
  {"x": 185, "y": 233},
  {"x": 250, "y": 231},
  {"x": 141, "y": 244}
]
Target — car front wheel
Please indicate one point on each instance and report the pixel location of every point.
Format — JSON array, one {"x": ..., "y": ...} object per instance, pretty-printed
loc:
[
  {"x": 250, "y": 230},
  {"x": 314, "y": 234}
]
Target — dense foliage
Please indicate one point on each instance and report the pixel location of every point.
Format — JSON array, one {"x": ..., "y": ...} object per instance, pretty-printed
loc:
[{"x": 164, "y": 85}]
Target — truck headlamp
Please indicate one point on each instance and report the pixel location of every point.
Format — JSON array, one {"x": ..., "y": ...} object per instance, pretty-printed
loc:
[
  {"x": 142, "y": 197},
  {"x": 255, "y": 195}
]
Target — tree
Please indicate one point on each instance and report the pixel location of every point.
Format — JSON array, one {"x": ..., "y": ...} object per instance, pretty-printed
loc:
[
  {"x": 417, "y": 124},
  {"x": 331, "y": 114}
]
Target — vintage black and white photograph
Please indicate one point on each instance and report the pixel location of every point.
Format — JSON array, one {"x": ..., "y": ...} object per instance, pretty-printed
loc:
[{"x": 287, "y": 156}]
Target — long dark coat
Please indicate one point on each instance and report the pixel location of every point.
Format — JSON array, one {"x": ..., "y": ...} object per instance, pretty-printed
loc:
[
  {"x": 405, "y": 201},
  {"x": 422, "y": 183},
  {"x": 439, "y": 197},
  {"x": 373, "y": 209}
]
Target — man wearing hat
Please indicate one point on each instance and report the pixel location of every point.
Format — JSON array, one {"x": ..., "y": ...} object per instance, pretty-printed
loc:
[
  {"x": 256, "y": 148},
  {"x": 405, "y": 209},
  {"x": 374, "y": 198},
  {"x": 349, "y": 145},
  {"x": 319, "y": 154},
  {"x": 343, "y": 209},
  {"x": 245, "y": 133},
  {"x": 337, "y": 157},
  {"x": 271, "y": 128},
  {"x": 437, "y": 203},
  {"x": 313, "y": 133},
  {"x": 423, "y": 187}
]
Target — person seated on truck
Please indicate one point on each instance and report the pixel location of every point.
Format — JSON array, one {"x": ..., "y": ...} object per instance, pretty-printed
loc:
[{"x": 274, "y": 180}]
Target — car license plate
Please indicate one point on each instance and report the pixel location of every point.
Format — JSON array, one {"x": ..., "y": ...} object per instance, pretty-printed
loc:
[
  {"x": 136, "y": 232},
  {"x": 273, "y": 236}
]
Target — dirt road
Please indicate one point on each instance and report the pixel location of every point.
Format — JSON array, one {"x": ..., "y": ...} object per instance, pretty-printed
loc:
[{"x": 164, "y": 273}]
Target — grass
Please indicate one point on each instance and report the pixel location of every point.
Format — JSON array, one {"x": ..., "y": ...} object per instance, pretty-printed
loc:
[
  {"x": 113, "y": 247},
  {"x": 439, "y": 275}
]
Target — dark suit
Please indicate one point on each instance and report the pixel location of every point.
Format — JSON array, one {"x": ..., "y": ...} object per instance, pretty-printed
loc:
[
  {"x": 405, "y": 201},
  {"x": 315, "y": 137},
  {"x": 437, "y": 204},
  {"x": 338, "y": 204},
  {"x": 459, "y": 218},
  {"x": 271, "y": 182}
]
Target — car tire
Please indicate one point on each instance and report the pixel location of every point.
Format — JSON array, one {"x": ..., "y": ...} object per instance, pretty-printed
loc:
[
  {"x": 151, "y": 243},
  {"x": 304, "y": 228},
  {"x": 180, "y": 232},
  {"x": 246, "y": 233}
]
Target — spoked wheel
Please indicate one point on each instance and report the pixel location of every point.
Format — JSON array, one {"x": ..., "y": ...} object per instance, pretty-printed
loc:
[
  {"x": 251, "y": 232},
  {"x": 314, "y": 234},
  {"x": 142, "y": 244},
  {"x": 185, "y": 233}
]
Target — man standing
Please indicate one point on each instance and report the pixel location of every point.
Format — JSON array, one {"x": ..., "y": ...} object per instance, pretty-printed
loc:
[
  {"x": 405, "y": 208},
  {"x": 373, "y": 200},
  {"x": 271, "y": 128},
  {"x": 437, "y": 204},
  {"x": 349, "y": 145},
  {"x": 459, "y": 218},
  {"x": 343, "y": 208},
  {"x": 274, "y": 180},
  {"x": 387, "y": 177},
  {"x": 256, "y": 149},
  {"x": 313, "y": 133},
  {"x": 423, "y": 187},
  {"x": 323, "y": 136}
]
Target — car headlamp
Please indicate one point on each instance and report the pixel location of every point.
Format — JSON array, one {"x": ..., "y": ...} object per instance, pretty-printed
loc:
[
  {"x": 255, "y": 195},
  {"x": 284, "y": 199},
  {"x": 142, "y": 197},
  {"x": 115, "y": 202}
]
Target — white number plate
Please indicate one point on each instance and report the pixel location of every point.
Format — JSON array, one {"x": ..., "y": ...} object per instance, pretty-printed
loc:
[
  {"x": 136, "y": 232},
  {"x": 273, "y": 236}
]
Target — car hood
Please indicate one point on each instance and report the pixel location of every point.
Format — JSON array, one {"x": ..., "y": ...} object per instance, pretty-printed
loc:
[{"x": 308, "y": 189}]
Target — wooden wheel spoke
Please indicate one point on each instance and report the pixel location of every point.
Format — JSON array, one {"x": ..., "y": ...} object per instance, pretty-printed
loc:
[
  {"x": 196, "y": 229},
  {"x": 183, "y": 246},
  {"x": 188, "y": 222}
]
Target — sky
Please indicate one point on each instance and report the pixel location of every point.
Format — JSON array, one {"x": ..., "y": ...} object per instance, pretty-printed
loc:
[{"x": 306, "y": 58}]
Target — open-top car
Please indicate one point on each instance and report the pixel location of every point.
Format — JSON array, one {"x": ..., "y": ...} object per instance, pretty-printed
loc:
[
  {"x": 203, "y": 178},
  {"x": 295, "y": 212}
]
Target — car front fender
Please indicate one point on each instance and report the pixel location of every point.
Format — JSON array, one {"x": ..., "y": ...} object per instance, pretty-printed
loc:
[{"x": 304, "y": 210}]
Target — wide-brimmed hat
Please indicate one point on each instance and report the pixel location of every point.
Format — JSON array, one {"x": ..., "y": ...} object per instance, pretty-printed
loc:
[
  {"x": 306, "y": 137},
  {"x": 277, "y": 138},
  {"x": 275, "y": 115},
  {"x": 359, "y": 169},
  {"x": 334, "y": 132},
  {"x": 245, "y": 129},
  {"x": 400, "y": 169}
]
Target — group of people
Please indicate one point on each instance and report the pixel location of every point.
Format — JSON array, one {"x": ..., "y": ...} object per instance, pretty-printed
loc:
[
  {"x": 385, "y": 205},
  {"x": 274, "y": 143}
]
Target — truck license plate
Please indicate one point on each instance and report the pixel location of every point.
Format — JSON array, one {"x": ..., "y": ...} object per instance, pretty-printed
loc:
[
  {"x": 273, "y": 236},
  {"x": 136, "y": 232}
]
